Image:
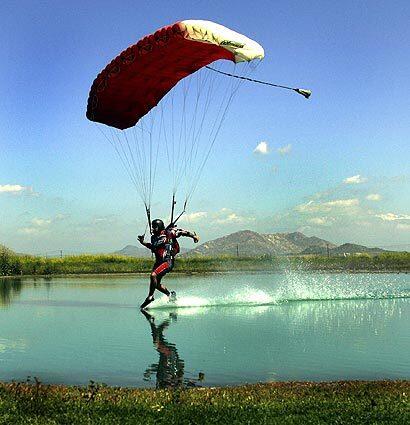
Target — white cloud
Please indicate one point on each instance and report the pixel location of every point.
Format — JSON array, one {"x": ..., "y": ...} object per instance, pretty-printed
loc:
[
  {"x": 230, "y": 218},
  {"x": 373, "y": 197},
  {"x": 227, "y": 216},
  {"x": 39, "y": 225},
  {"x": 262, "y": 148},
  {"x": 355, "y": 179},
  {"x": 313, "y": 206},
  {"x": 194, "y": 217},
  {"x": 40, "y": 222},
  {"x": 285, "y": 150},
  {"x": 321, "y": 221},
  {"x": 342, "y": 203},
  {"x": 393, "y": 217},
  {"x": 17, "y": 189},
  {"x": 12, "y": 188},
  {"x": 29, "y": 230}
]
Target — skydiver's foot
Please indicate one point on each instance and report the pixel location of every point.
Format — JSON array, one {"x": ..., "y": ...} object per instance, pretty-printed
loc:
[
  {"x": 172, "y": 297},
  {"x": 147, "y": 301}
]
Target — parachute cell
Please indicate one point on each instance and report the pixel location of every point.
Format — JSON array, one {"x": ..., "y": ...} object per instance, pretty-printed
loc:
[{"x": 134, "y": 82}]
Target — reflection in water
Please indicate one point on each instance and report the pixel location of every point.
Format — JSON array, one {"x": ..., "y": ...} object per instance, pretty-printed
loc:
[
  {"x": 9, "y": 289},
  {"x": 248, "y": 328},
  {"x": 170, "y": 368}
]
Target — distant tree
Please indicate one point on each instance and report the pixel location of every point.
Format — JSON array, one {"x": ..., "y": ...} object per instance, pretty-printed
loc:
[{"x": 10, "y": 264}]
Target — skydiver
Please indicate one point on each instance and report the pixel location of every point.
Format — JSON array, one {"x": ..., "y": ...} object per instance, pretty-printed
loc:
[{"x": 165, "y": 246}]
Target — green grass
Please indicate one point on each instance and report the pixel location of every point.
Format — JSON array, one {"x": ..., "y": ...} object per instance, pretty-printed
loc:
[
  {"x": 279, "y": 403},
  {"x": 14, "y": 265}
]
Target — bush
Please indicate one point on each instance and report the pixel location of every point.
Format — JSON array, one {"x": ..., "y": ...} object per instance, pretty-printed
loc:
[{"x": 10, "y": 263}]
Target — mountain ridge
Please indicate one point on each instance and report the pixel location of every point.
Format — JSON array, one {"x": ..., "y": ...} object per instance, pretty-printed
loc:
[{"x": 250, "y": 243}]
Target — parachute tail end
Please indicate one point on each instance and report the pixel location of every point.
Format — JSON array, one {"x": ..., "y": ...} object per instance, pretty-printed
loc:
[{"x": 305, "y": 93}]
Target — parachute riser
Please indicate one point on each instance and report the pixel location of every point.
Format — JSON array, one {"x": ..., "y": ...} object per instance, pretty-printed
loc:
[
  {"x": 173, "y": 208},
  {"x": 173, "y": 222},
  {"x": 148, "y": 211}
]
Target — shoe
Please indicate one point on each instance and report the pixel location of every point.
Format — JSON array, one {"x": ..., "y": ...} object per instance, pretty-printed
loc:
[
  {"x": 172, "y": 296},
  {"x": 147, "y": 301}
]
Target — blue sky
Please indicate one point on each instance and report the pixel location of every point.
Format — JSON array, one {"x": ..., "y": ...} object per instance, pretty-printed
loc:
[{"x": 337, "y": 165}]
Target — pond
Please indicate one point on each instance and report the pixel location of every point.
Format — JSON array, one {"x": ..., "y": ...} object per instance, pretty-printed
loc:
[{"x": 225, "y": 329}]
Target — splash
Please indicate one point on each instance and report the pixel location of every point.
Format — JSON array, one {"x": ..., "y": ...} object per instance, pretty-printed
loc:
[{"x": 269, "y": 290}]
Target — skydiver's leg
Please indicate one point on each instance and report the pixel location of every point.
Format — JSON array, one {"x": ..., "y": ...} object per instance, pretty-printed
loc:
[
  {"x": 160, "y": 272},
  {"x": 152, "y": 287},
  {"x": 162, "y": 288}
]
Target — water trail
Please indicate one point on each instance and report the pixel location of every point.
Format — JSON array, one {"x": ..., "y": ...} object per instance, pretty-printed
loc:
[{"x": 265, "y": 290}]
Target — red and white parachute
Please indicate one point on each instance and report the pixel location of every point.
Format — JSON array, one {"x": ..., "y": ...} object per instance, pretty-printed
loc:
[{"x": 163, "y": 107}]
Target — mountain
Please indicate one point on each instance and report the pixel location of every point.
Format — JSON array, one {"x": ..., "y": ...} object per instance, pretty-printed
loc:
[
  {"x": 351, "y": 248},
  {"x": 252, "y": 244},
  {"x": 347, "y": 248},
  {"x": 249, "y": 243},
  {"x": 133, "y": 251}
]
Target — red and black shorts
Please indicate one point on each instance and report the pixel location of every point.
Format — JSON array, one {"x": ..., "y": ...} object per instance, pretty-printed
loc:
[{"x": 162, "y": 268}]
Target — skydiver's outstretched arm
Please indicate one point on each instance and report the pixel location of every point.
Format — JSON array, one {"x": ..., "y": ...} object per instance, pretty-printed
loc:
[
  {"x": 181, "y": 232},
  {"x": 141, "y": 241}
]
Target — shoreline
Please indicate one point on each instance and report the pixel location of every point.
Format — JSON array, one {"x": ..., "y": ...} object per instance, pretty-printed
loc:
[
  {"x": 202, "y": 273},
  {"x": 341, "y": 402}
]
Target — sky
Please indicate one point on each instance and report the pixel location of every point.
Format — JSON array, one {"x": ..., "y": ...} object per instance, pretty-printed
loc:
[{"x": 335, "y": 166}]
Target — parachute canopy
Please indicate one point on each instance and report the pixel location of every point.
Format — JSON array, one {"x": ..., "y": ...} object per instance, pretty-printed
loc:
[{"x": 136, "y": 80}]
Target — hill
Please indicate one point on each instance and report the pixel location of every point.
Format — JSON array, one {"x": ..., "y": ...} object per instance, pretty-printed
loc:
[
  {"x": 250, "y": 244},
  {"x": 133, "y": 251},
  {"x": 247, "y": 243},
  {"x": 351, "y": 248}
]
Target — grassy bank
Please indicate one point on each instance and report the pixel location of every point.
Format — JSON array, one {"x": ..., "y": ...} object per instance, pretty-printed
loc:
[
  {"x": 277, "y": 403},
  {"x": 14, "y": 265}
]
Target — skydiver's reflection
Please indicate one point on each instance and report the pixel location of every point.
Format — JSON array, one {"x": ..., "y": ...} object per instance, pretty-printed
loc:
[{"x": 170, "y": 368}]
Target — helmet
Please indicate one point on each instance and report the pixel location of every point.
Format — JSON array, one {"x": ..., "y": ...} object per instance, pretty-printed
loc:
[{"x": 157, "y": 225}]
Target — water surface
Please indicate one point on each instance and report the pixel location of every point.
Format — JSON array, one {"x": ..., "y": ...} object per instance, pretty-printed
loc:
[{"x": 224, "y": 329}]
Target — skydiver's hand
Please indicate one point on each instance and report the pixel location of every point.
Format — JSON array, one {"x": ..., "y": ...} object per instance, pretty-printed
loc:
[
  {"x": 195, "y": 238},
  {"x": 141, "y": 239}
]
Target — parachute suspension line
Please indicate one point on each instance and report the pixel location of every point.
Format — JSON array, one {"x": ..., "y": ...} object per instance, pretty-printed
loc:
[
  {"x": 153, "y": 161},
  {"x": 182, "y": 132},
  {"x": 135, "y": 163},
  {"x": 191, "y": 131},
  {"x": 193, "y": 152},
  {"x": 139, "y": 157},
  {"x": 305, "y": 93},
  {"x": 121, "y": 153},
  {"x": 132, "y": 164},
  {"x": 163, "y": 128},
  {"x": 172, "y": 134},
  {"x": 205, "y": 112},
  {"x": 150, "y": 163},
  {"x": 144, "y": 156},
  {"x": 123, "y": 157},
  {"x": 213, "y": 135},
  {"x": 197, "y": 132}
]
